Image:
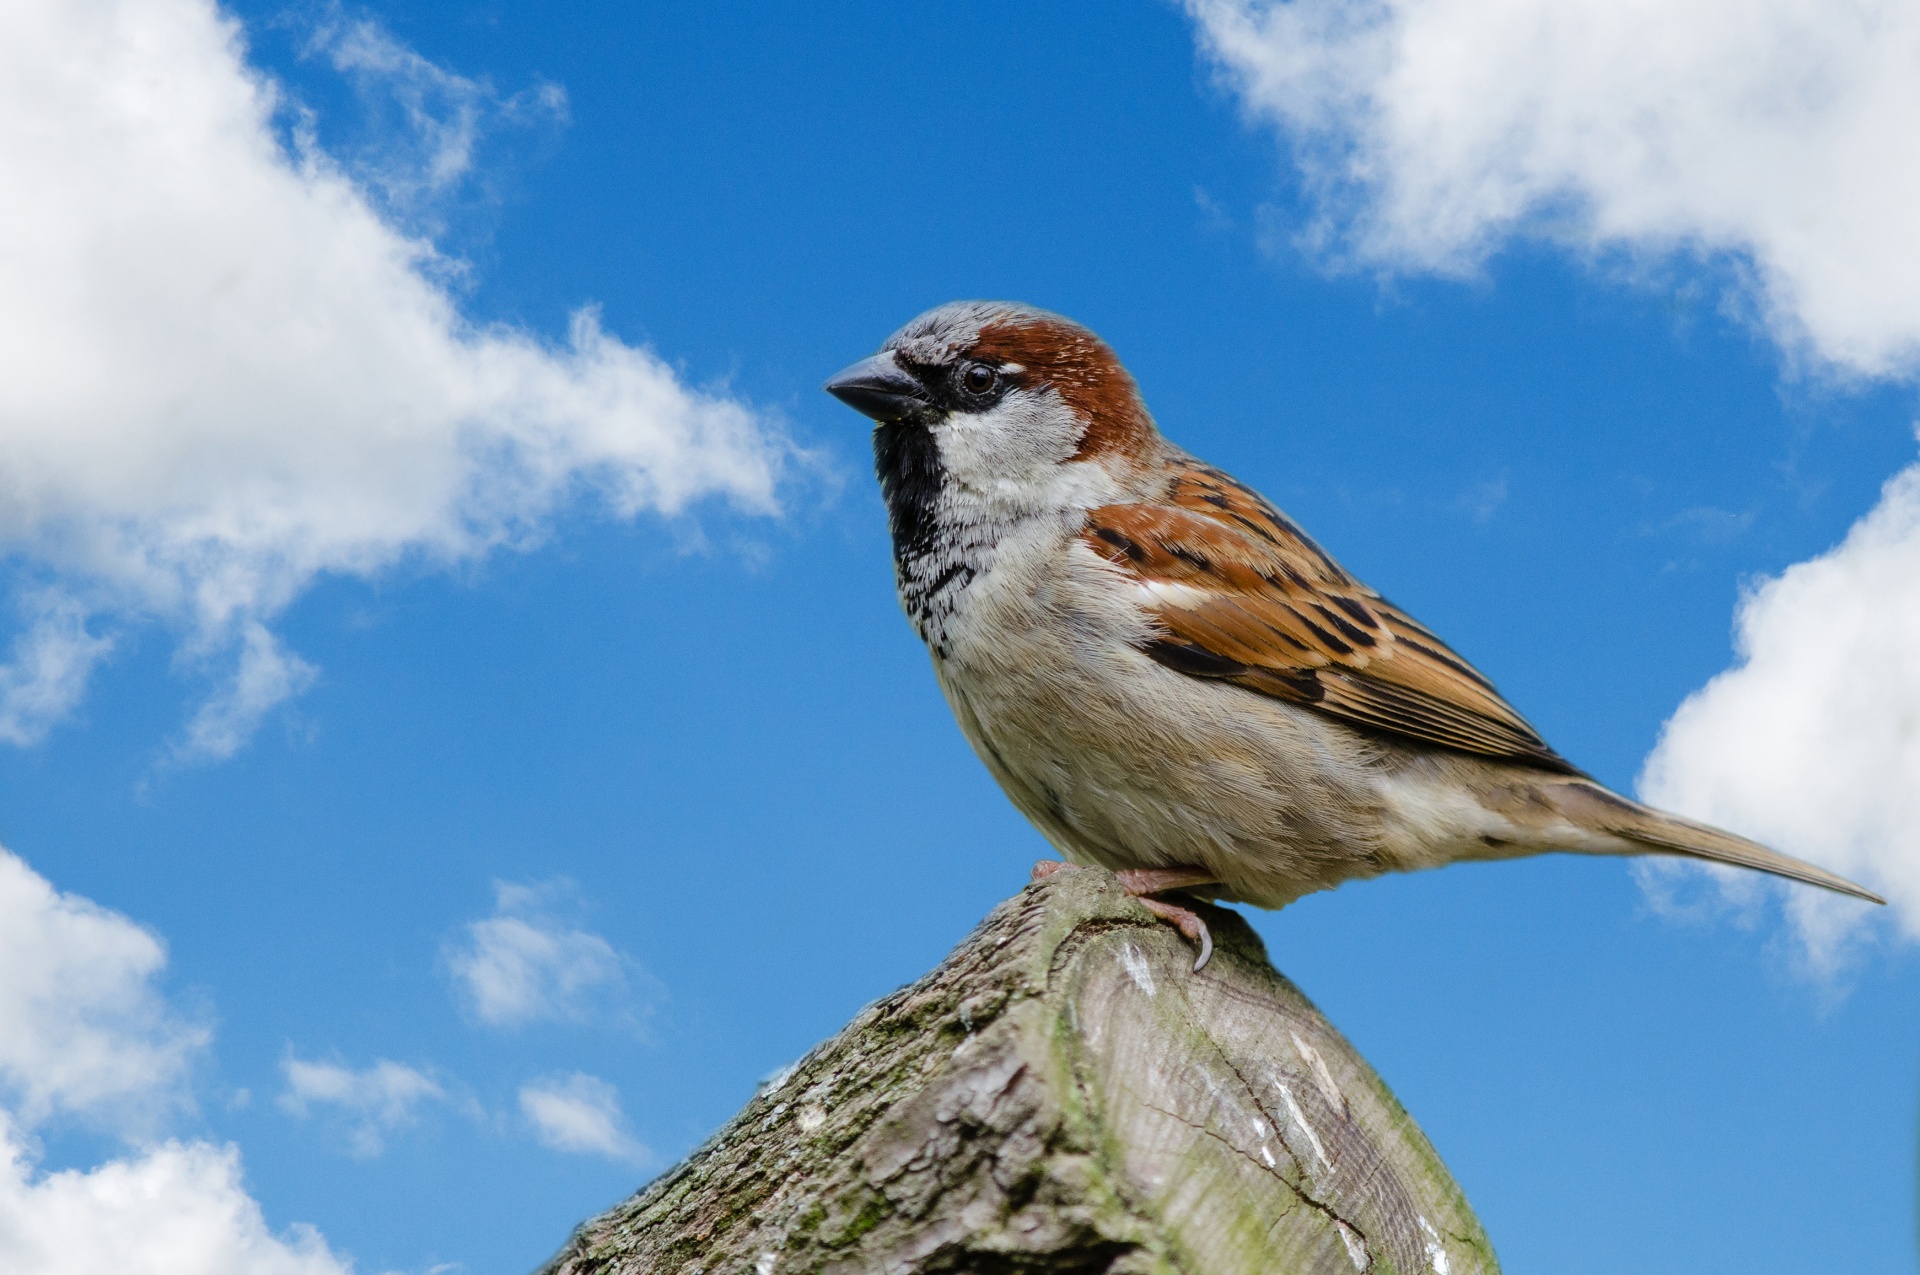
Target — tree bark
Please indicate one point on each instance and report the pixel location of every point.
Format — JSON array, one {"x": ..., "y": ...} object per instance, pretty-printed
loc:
[{"x": 1063, "y": 1094}]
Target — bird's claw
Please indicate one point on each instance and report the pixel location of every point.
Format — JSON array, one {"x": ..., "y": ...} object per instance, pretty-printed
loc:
[{"x": 1187, "y": 922}]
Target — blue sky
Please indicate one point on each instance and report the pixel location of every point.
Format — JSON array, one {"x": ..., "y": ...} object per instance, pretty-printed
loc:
[{"x": 492, "y": 750}]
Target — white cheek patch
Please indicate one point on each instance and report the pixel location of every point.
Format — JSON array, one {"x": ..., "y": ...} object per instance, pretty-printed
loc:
[
  {"x": 1022, "y": 438},
  {"x": 1016, "y": 461},
  {"x": 1018, "y": 457}
]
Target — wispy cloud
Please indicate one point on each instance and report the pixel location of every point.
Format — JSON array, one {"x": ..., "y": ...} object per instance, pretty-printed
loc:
[
  {"x": 580, "y": 1114},
  {"x": 424, "y": 124},
  {"x": 370, "y": 1104},
  {"x": 265, "y": 675},
  {"x": 1482, "y": 500},
  {"x": 226, "y": 368},
  {"x": 46, "y": 674},
  {"x": 526, "y": 963},
  {"x": 1770, "y": 141}
]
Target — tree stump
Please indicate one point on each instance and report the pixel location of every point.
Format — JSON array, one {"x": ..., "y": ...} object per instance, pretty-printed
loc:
[{"x": 1063, "y": 1094}]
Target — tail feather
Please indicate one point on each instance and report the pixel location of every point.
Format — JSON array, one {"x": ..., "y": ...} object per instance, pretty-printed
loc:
[{"x": 1595, "y": 807}]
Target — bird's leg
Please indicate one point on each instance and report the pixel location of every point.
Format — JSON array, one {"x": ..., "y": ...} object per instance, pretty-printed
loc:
[
  {"x": 1144, "y": 883},
  {"x": 1140, "y": 881},
  {"x": 1044, "y": 869}
]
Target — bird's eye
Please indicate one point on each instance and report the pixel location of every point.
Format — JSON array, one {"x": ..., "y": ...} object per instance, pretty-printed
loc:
[{"x": 978, "y": 378}]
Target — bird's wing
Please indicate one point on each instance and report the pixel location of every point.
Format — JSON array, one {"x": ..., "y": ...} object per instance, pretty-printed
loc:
[{"x": 1244, "y": 596}]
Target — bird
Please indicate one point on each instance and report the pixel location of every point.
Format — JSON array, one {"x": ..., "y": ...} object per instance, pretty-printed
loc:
[{"x": 1166, "y": 675}]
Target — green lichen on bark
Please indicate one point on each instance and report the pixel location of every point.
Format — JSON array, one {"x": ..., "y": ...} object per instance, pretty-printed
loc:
[{"x": 1061, "y": 1096}]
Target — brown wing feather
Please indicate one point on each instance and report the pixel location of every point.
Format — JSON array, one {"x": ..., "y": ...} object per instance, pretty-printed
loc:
[{"x": 1246, "y": 597}]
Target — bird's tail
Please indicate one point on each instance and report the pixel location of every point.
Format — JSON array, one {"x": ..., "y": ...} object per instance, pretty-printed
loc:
[{"x": 1592, "y": 806}]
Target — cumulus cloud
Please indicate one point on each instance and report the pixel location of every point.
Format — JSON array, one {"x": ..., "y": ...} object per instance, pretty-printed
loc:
[
  {"x": 83, "y": 1028},
  {"x": 1773, "y": 133},
  {"x": 85, "y": 1034},
  {"x": 525, "y": 964},
  {"x": 369, "y": 1104},
  {"x": 579, "y": 1114},
  {"x": 176, "y": 1209},
  {"x": 226, "y": 369},
  {"x": 1812, "y": 741},
  {"x": 1770, "y": 141}
]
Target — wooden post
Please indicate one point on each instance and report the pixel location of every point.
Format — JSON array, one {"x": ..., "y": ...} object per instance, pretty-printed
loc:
[{"x": 1063, "y": 1094}]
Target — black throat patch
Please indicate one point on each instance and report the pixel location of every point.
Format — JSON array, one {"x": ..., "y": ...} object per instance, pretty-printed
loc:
[
  {"x": 932, "y": 564},
  {"x": 907, "y": 461}
]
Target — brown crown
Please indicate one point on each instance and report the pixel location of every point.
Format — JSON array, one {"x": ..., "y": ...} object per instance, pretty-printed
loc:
[{"x": 1083, "y": 371}]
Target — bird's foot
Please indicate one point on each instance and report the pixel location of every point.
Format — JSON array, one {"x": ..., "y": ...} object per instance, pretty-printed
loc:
[
  {"x": 1187, "y": 922},
  {"x": 1144, "y": 883}
]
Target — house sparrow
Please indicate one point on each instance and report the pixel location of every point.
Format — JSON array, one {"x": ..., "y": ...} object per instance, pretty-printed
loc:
[{"x": 1165, "y": 674}]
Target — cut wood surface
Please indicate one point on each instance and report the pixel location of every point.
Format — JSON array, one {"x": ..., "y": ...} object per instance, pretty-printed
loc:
[{"x": 1063, "y": 1094}]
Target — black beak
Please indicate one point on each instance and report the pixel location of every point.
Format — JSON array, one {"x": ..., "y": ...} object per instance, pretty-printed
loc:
[{"x": 879, "y": 388}]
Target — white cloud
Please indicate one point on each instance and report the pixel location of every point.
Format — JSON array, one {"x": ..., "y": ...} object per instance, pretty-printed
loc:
[
  {"x": 175, "y": 1209},
  {"x": 85, "y": 1034},
  {"x": 224, "y": 371},
  {"x": 53, "y": 655},
  {"x": 1777, "y": 133},
  {"x": 428, "y": 121},
  {"x": 372, "y": 1103},
  {"x": 83, "y": 1030},
  {"x": 267, "y": 674},
  {"x": 579, "y": 1114},
  {"x": 525, "y": 965},
  {"x": 1771, "y": 140},
  {"x": 1812, "y": 741}
]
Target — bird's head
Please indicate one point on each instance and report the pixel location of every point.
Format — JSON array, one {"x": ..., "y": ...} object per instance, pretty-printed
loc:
[{"x": 1004, "y": 399}]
